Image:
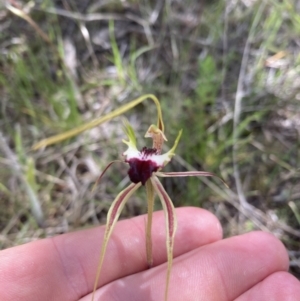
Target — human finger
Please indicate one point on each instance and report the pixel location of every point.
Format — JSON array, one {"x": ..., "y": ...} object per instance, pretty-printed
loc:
[
  {"x": 64, "y": 267},
  {"x": 276, "y": 287},
  {"x": 220, "y": 271}
]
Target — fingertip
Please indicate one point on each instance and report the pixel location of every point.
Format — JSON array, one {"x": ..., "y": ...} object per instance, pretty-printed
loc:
[
  {"x": 291, "y": 285},
  {"x": 278, "y": 286},
  {"x": 268, "y": 245},
  {"x": 202, "y": 224}
]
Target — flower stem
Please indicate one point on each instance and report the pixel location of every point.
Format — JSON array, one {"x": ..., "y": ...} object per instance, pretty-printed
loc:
[{"x": 150, "y": 203}]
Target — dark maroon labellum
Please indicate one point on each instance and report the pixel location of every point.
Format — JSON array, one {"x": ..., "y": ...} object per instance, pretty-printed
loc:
[{"x": 141, "y": 170}]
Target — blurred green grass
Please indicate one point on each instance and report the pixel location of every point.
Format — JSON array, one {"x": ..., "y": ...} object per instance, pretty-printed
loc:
[{"x": 190, "y": 55}]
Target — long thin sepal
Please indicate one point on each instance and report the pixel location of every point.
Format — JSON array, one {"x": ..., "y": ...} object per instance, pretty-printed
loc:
[
  {"x": 189, "y": 174},
  {"x": 103, "y": 172},
  {"x": 112, "y": 217},
  {"x": 171, "y": 225},
  {"x": 150, "y": 203},
  {"x": 121, "y": 110}
]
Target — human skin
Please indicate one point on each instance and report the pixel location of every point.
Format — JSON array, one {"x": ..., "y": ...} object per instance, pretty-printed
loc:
[{"x": 251, "y": 266}]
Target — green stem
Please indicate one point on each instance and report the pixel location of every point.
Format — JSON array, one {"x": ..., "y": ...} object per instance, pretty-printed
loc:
[{"x": 150, "y": 203}]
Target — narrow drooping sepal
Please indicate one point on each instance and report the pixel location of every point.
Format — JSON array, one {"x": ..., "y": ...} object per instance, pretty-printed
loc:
[
  {"x": 103, "y": 172},
  {"x": 112, "y": 217},
  {"x": 171, "y": 225},
  {"x": 189, "y": 174}
]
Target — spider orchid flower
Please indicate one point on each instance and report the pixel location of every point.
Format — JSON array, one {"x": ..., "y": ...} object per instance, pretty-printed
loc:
[{"x": 145, "y": 167}]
